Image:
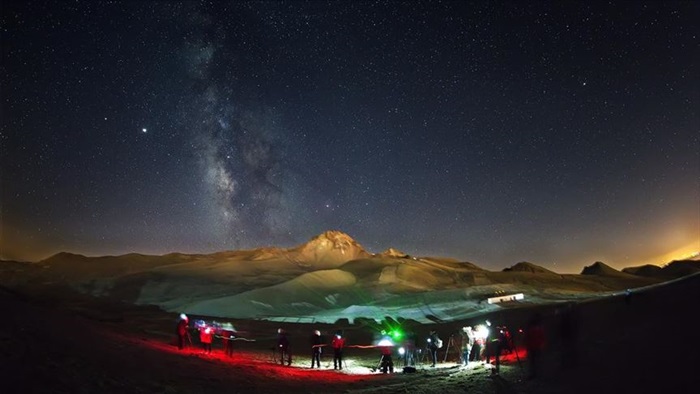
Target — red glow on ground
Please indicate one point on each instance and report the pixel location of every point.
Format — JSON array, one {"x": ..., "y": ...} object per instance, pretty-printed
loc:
[
  {"x": 512, "y": 357},
  {"x": 256, "y": 362}
]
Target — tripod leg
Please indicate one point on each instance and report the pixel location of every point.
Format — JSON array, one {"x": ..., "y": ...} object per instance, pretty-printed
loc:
[
  {"x": 447, "y": 349},
  {"x": 517, "y": 357}
]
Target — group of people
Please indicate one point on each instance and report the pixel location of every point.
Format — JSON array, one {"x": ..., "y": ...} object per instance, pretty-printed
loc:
[
  {"x": 206, "y": 335},
  {"x": 484, "y": 343},
  {"x": 479, "y": 343},
  {"x": 316, "y": 343}
]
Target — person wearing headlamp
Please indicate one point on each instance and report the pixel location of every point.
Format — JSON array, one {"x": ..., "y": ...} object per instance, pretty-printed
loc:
[{"x": 338, "y": 344}]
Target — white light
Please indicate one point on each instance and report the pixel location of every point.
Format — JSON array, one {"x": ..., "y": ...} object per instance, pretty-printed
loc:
[
  {"x": 385, "y": 342},
  {"x": 481, "y": 332},
  {"x": 183, "y": 316},
  {"x": 144, "y": 130},
  {"x": 402, "y": 351}
]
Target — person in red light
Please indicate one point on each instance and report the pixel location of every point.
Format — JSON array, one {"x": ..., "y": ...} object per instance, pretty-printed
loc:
[
  {"x": 386, "y": 347},
  {"x": 386, "y": 363},
  {"x": 181, "y": 331},
  {"x": 205, "y": 337},
  {"x": 338, "y": 344}
]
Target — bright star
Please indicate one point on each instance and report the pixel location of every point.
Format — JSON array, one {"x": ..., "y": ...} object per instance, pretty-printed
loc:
[{"x": 144, "y": 130}]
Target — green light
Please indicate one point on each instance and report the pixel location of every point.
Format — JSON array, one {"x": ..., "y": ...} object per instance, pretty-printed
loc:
[{"x": 396, "y": 334}]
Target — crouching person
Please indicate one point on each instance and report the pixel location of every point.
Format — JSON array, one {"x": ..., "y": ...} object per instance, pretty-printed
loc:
[{"x": 386, "y": 362}]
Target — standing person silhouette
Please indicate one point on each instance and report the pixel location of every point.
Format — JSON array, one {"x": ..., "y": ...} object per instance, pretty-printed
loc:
[
  {"x": 181, "y": 331},
  {"x": 467, "y": 344},
  {"x": 495, "y": 341},
  {"x": 338, "y": 344},
  {"x": 283, "y": 347},
  {"x": 205, "y": 337},
  {"x": 316, "y": 346},
  {"x": 433, "y": 345},
  {"x": 227, "y": 335}
]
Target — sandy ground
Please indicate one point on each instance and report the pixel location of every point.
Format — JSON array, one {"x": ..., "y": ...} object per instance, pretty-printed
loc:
[{"x": 54, "y": 341}]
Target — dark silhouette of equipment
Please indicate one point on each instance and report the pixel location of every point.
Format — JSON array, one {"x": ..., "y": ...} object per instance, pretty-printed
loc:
[
  {"x": 424, "y": 353},
  {"x": 189, "y": 338},
  {"x": 450, "y": 343}
]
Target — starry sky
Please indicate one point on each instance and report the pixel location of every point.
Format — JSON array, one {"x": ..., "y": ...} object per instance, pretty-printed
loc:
[{"x": 559, "y": 133}]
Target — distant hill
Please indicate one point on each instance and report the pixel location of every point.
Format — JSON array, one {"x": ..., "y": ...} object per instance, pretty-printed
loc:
[
  {"x": 330, "y": 274},
  {"x": 648, "y": 270},
  {"x": 601, "y": 269},
  {"x": 680, "y": 268},
  {"x": 524, "y": 266},
  {"x": 674, "y": 269}
]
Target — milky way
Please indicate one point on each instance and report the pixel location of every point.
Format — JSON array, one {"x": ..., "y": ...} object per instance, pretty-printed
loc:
[{"x": 240, "y": 148}]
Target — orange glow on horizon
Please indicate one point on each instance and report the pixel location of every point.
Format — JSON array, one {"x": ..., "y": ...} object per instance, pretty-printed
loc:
[{"x": 688, "y": 252}]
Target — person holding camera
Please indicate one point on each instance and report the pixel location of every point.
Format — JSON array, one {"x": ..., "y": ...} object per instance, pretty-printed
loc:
[
  {"x": 434, "y": 343},
  {"x": 316, "y": 346},
  {"x": 495, "y": 341}
]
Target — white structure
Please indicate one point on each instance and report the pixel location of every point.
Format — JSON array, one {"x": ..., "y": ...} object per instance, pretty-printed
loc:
[{"x": 506, "y": 298}]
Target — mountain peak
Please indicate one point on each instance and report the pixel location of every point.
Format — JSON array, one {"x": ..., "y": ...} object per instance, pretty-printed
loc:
[
  {"x": 330, "y": 248},
  {"x": 391, "y": 252},
  {"x": 602, "y": 269},
  {"x": 335, "y": 236},
  {"x": 62, "y": 257},
  {"x": 525, "y": 266}
]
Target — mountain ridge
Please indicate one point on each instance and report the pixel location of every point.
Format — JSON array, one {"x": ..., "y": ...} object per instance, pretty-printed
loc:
[{"x": 332, "y": 248}]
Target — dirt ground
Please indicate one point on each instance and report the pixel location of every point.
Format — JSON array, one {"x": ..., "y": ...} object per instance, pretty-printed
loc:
[{"x": 54, "y": 341}]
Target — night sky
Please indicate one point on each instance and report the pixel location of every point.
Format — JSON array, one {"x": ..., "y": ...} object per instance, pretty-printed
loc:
[{"x": 560, "y": 133}]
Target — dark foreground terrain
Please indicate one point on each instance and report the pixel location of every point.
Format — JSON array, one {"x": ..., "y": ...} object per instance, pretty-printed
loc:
[{"x": 55, "y": 341}]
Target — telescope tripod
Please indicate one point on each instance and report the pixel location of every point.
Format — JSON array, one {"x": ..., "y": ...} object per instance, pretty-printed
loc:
[{"x": 450, "y": 343}]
